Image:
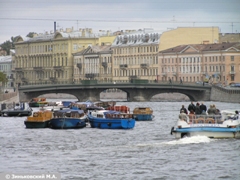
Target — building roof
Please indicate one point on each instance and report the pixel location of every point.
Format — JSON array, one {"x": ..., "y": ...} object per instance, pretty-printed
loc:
[
  {"x": 140, "y": 37},
  {"x": 69, "y": 33},
  {"x": 203, "y": 47},
  {"x": 5, "y": 59},
  {"x": 94, "y": 50}
]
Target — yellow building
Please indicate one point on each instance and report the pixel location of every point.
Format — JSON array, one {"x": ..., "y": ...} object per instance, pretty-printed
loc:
[
  {"x": 213, "y": 63},
  {"x": 188, "y": 35},
  {"x": 135, "y": 56},
  {"x": 93, "y": 63},
  {"x": 47, "y": 58}
]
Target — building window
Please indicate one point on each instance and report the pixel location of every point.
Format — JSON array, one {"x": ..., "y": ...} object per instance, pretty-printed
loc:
[{"x": 232, "y": 58}]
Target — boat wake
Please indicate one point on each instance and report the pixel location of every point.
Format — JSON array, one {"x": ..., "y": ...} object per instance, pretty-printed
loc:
[{"x": 190, "y": 140}]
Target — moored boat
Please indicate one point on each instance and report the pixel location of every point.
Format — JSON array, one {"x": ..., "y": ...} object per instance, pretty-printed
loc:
[
  {"x": 108, "y": 119},
  {"x": 120, "y": 108},
  {"x": 20, "y": 109},
  {"x": 226, "y": 125},
  {"x": 143, "y": 114},
  {"x": 68, "y": 119},
  {"x": 39, "y": 119},
  {"x": 38, "y": 102}
]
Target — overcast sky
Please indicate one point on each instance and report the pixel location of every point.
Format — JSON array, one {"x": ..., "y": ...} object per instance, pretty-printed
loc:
[{"x": 19, "y": 17}]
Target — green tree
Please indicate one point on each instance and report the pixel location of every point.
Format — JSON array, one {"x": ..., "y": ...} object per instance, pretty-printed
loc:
[
  {"x": 3, "y": 79},
  {"x": 7, "y": 45}
]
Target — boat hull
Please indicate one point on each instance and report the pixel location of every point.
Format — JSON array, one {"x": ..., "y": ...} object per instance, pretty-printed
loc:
[
  {"x": 211, "y": 132},
  {"x": 67, "y": 123},
  {"x": 111, "y": 123},
  {"x": 44, "y": 124},
  {"x": 143, "y": 117},
  {"x": 17, "y": 113},
  {"x": 37, "y": 104}
]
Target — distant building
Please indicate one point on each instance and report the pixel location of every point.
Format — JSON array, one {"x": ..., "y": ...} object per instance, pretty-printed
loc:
[
  {"x": 6, "y": 68},
  {"x": 47, "y": 58},
  {"x": 94, "y": 62},
  {"x": 188, "y": 35},
  {"x": 214, "y": 63},
  {"x": 229, "y": 37},
  {"x": 135, "y": 55}
]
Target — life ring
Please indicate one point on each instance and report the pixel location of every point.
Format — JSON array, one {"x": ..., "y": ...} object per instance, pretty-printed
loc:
[
  {"x": 199, "y": 121},
  {"x": 210, "y": 121},
  {"x": 35, "y": 114}
]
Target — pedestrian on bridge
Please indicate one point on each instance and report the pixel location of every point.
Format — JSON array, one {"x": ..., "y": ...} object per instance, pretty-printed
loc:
[{"x": 181, "y": 81}]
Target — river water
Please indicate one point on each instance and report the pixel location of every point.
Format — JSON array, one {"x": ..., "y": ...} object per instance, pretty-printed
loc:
[{"x": 146, "y": 152}]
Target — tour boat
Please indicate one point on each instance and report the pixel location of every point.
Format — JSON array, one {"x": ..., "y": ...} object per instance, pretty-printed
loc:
[
  {"x": 20, "y": 109},
  {"x": 226, "y": 125},
  {"x": 68, "y": 119},
  {"x": 108, "y": 119},
  {"x": 39, "y": 119},
  {"x": 143, "y": 114}
]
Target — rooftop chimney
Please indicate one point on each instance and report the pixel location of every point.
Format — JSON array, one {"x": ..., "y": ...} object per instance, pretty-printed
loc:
[{"x": 54, "y": 27}]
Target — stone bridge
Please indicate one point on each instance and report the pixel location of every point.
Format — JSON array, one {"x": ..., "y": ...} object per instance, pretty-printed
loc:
[{"x": 135, "y": 91}]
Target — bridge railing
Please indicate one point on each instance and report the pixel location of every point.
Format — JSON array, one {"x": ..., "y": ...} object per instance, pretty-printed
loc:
[{"x": 50, "y": 83}]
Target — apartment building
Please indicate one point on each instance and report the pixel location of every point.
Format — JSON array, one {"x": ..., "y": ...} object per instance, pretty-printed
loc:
[
  {"x": 214, "y": 63},
  {"x": 188, "y": 35},
  {"x": 47, "y": 58},
  {"x": 135, "y": 56},
  {"x": 93, "y": 63}
]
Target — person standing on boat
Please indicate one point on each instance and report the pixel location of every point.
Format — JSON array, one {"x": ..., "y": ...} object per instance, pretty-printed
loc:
[
  {"x": 211, "y": 110},
  {"x": 203, "y": 107},
  {"x": 236, "y": 115},
  {"x": 191, "y": 107},
  {"x": 197, "y": 109},
  {"x": 184, "y": 109}
]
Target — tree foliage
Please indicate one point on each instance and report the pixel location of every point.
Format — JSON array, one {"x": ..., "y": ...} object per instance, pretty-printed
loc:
[
  {"x": 7, "y": 45},
  {"x": 3, "y": 78},
  {"x": 30, "y": 34}
]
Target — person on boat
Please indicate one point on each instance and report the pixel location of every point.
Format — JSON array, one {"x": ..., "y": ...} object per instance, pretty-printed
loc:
[
  {"x": 197, "y": 109},
  {"x": 203, "y": 107},
  {"x": 184, "y": 109},
  {"x": 204, "y": 112},
  {"x": 191, "y": 106},
  {"x": 191, "y": 116},
  {"x": 211, "y": 110},
  {"x": 17, "y": 106},
  {"x": 236, "y": 115},
  {"x": 183, "y": 116}
]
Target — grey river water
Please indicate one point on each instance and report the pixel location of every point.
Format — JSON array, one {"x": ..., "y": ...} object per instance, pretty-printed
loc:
[{"x": 146, "y": 152}]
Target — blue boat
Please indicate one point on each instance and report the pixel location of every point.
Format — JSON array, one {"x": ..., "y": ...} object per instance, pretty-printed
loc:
[
  {"x": 68, "y": 119},
  {"x": 108, "y": 119},
  {"x": 143, "y": 114},
  {"x": 66, "y": 103}
]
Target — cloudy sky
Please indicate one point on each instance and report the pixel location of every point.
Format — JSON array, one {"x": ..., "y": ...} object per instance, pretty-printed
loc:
[{"x": 19, "y": 17}]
